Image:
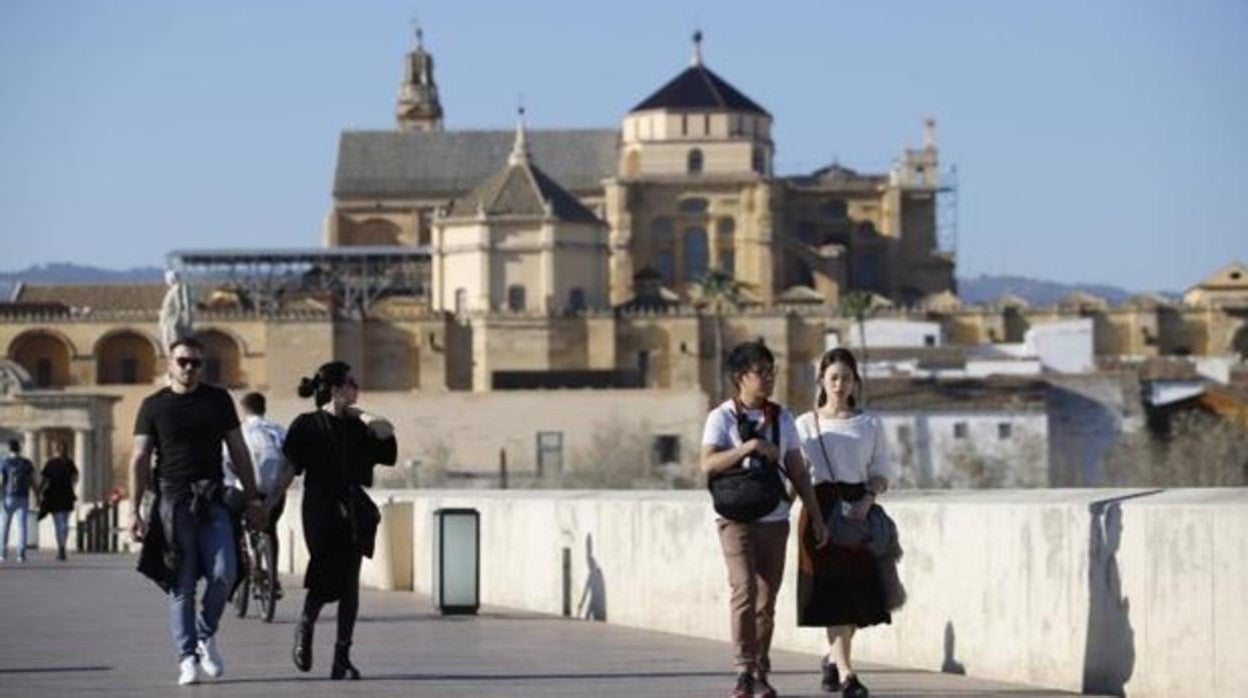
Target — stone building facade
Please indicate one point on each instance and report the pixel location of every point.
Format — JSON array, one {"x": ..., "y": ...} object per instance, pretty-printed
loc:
[{"x": 569, "y": 259}]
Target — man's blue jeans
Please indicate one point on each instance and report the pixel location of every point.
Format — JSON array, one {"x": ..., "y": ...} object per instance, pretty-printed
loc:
[
  {"x": 207, "y": 547},
  {"x": 21, "y": 507}
]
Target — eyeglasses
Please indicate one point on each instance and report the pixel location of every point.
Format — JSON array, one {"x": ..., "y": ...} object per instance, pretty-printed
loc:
[
  {"x": 764, "y": 371},
  {"x": 188, "y": 362},
  {"x": 350, "y": 382}
]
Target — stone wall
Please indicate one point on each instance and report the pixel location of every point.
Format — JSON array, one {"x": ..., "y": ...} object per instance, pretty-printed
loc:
[{"x": 1138, "y": 592}]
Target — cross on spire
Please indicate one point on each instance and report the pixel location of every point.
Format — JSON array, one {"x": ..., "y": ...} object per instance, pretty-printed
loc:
[{"x": 519, "y": 151}]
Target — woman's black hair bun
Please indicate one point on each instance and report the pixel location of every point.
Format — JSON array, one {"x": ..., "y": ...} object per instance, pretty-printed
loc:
[{"x": 307, "y": 386}]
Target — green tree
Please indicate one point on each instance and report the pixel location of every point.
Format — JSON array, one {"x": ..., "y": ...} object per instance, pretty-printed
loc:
[
  {"x": 719, "y": 292},
  {"x": 861, "y": 306}
]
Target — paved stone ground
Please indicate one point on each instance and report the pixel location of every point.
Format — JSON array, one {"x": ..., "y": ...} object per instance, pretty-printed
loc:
[{"x": 92, "y": 626}]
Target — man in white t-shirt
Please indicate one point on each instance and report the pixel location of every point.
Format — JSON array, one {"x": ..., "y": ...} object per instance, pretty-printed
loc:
[
  {"x": 739, "y": 434},
  {"x": 264, "y": 439}
]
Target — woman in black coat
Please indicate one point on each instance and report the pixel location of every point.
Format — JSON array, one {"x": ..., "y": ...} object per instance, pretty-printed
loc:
[{"x": 335, "y": 448}]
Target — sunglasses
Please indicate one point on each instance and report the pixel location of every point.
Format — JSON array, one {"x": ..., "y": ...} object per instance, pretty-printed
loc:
[{"x": 186, "y": 362}]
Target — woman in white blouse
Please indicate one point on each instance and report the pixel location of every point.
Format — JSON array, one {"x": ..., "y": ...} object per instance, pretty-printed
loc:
[{"x": 839, "y": 588}]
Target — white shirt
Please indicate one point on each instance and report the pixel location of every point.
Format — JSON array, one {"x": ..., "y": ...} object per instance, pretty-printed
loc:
[
  {"x": 264, "y": 439},
  {"x": 856, "y": 445},
  {"x": 721, "y": 432}
]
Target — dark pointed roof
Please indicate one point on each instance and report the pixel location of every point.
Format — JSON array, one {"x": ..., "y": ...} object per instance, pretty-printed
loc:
[
  {"x": 522, "y": 190},
  {"x": 699, "y": 88}
]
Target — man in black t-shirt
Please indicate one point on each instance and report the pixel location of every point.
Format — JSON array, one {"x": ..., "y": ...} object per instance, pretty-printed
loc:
[{"x": 184, "y": 424}]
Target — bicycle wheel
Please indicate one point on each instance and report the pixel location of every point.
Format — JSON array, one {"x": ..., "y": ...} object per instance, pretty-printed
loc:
[
  {"x": 242, "y": 592},
  {"x": 266, "y": 577}
]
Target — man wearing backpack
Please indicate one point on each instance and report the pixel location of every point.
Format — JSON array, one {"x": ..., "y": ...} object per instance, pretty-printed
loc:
[
  {"x": 750, "y": 446},
  {"x": 17, "y": 474},
  {"x": 264, "y": 439}
]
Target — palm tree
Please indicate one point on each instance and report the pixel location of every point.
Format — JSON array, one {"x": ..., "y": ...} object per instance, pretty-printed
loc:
[
  {"x": 720, "y": 291},
  {"x": 860, "y": 305}
]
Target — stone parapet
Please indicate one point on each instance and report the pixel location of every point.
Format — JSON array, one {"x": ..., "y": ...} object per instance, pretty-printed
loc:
[{"x": 1104, "y": 591}]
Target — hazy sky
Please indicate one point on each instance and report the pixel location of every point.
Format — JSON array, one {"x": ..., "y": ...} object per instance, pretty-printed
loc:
[{"x": 1097, "y": 141}]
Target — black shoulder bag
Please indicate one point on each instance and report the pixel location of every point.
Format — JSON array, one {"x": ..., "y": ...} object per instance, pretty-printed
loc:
[
  {"x": 752, "y": 488},
  {"x": 357, "y": 508}
]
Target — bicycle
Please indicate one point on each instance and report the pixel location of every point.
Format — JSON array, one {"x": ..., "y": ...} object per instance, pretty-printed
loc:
[{"x": 259, "y": 580}]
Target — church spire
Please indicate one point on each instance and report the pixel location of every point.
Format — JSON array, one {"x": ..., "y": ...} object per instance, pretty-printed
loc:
[
  {"x": 520, "y": 150},
  {"x": 418, "y": 107}
]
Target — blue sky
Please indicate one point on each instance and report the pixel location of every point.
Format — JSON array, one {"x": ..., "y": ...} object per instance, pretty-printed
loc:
[{"x": 1100, "y": 142}]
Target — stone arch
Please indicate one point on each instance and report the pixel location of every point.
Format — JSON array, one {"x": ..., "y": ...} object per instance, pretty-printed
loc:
[
  {"x": 125, "y": 357},
  {"x": 374, "y": 232},
  {"x": 223, "y": 357},
  {"x": 694, "y": 162},
  {"x": 45, "y": 354}
]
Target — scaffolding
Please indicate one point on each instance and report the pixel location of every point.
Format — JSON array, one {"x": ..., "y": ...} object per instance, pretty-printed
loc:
[
  {"x": 947, "y": 212},
  {"x": 354, "y": 278}
]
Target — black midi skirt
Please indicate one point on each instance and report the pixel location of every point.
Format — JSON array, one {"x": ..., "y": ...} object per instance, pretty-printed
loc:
[{"x": 837, "y": 585}]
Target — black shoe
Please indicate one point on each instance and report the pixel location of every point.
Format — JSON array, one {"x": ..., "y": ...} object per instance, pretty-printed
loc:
[
  {"x": 853, "y": 688},
  {"x": 762, "y": 689},
  {"x": 343, "y": 669},
  {"x": 831, "y": 682},
  {"x": 745, "y": 686},
  {"x": 60, "y": 553},
  {"x": 301, "y": 653}
]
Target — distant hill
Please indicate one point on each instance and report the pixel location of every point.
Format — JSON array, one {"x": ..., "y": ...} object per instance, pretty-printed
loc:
[
  {"x": 66, "y": 273},
  {"x": 985, "y": 288},
  {"x": 980, "y": 289}
]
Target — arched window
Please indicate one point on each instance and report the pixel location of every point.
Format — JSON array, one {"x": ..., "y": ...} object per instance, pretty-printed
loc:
[
  {"x": 222, "y": 359},
  {"x": 125, "y": 357},
  {"x": 695, "y": 161},
  {"x": 515, "y": 298},
  {"x": 696, "y": 253},
  {"x": 664, "y": 255},
  {"x": 725, "y": 230},
  {"x": 44, "y": 355}
]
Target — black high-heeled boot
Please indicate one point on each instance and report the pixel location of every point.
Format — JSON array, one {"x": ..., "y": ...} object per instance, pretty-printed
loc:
[
  {"x": 343, "y": 668},
  {"x": 301, "y": 653}
]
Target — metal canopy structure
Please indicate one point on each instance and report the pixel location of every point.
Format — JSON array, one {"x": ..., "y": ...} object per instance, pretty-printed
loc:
[{"x": 354, "y": 277}]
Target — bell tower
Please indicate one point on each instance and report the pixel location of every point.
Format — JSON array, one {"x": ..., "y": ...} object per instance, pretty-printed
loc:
[{"x": 418, "y": 108}]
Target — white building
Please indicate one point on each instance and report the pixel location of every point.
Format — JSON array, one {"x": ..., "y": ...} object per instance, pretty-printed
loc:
[{"x": 966, "y": 433}]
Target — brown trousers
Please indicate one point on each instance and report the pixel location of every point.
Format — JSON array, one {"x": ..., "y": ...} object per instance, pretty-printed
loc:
[{"x": 754, "y": 554}]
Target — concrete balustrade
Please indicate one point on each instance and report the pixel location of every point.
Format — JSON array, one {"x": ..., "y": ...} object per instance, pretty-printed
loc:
[{"x": 1139, "y": 591}]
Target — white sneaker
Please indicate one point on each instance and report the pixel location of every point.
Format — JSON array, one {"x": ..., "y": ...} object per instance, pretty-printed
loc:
[
  {"x": 210, "y": 657},
  {"x": 187, "y": 671}
]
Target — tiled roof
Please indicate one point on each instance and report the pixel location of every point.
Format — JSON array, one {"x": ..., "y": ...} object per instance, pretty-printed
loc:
[
  {"x": 699, "y": 88},
  {"x": 95, "y": 296},
  {"x": 522, "y": 190},
  {"x": 450, "y": 163}
]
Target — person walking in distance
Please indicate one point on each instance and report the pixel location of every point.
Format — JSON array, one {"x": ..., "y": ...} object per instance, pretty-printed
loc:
[
  {"x": 56, "y": 493},
  {"x": 334, "y": 447},
  {"x": 745, "y": 433},
  {"x": 17, "y": 476},
  {"x": 264, "y": 439},
  {"x": 189, "y": 533}
]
